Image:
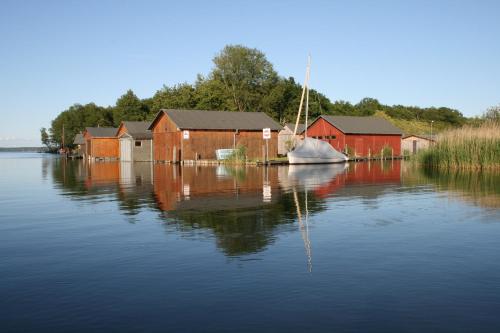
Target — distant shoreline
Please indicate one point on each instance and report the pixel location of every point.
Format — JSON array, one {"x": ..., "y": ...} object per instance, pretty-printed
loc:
[{"x": 24, "y": 149}]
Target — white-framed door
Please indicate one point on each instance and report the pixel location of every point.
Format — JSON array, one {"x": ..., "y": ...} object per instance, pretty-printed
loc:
[{"x": 126, "y": 150}]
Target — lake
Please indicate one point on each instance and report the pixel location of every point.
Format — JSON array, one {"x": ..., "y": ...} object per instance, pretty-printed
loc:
[{"x": 365, "y": 247}]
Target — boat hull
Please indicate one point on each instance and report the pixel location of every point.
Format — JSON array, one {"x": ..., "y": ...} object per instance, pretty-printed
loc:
[{"x": 314, "y": 160}]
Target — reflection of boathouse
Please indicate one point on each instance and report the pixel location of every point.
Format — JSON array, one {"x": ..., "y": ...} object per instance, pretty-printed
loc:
[{"x": 213, "y": 188}]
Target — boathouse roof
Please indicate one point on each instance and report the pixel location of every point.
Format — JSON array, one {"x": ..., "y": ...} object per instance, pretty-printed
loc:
[
  {"x": 300, "y": 128},
  {"x": 362, "y": 125},
  {"x": 219, "y": 120},
  {"x": 101, "y": 132},
  {"x": 138, "y": 130}
]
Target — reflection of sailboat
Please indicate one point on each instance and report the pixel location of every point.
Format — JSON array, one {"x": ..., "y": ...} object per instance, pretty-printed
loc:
[
  {"x": 313, "y": 176},
  {"x": 309, "y": 150},
  {"x": 304, "y": 229}
]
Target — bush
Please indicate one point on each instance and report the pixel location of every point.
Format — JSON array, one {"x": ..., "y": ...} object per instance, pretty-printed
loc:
[
  {"x": 239, "y": 154},
  {"x": 386, "y": 152}
]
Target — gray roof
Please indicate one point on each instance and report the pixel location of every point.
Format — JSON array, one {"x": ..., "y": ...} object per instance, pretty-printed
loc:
[
  {"x": 422, "y": 136},
  {"x": 102, "y": 132},
  {"x": 300, "y": 128},
  {"x": 220, "y": 120},
  {"x": 79, "y": 140},
  {"x": 138, "y": 129},
  {"x": 362, "y": 125}
]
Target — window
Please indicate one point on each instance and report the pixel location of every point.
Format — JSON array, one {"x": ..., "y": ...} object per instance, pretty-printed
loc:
[{"x": 138, "y": 143}]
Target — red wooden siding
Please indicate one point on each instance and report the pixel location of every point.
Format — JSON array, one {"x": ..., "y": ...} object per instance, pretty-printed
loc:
[{"x": 362, "y": 144}]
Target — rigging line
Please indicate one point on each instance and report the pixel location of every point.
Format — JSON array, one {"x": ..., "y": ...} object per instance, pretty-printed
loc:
[{"x": 319, "y": 103}]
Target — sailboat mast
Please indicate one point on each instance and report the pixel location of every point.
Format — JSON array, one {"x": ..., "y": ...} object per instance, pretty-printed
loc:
[
  {"x": 302, "y": 96},
  {"x": 307, "y": 96}
]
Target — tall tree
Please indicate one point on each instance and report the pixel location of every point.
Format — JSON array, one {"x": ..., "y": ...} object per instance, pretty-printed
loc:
[
  {"x": 246, "y": 74},
  {"x": 44, "y": 137},
  {"x": 76, "y": 118},
  {"x": 181, "y": 96},
  {"x": 492, "y": 114},
  {"x": 129, "y": 107}
]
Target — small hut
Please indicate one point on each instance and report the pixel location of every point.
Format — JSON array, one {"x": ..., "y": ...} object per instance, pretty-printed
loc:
[
  {"x": 412, "y": 143},
  {"x": 101, "y": 143},
  {"x": 285, "y": 137},
  {"x": 79, "y": 143},
  {"x": 135, "y": 140}
]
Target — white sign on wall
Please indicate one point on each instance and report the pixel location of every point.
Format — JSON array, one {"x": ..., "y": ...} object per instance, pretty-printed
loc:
[
  {"x": 266, "y": 133},
  {"x": 185, "y": 134}
]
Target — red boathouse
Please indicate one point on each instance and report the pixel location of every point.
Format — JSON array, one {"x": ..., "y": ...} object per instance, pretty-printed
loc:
[{"x": 361, "y": 136}]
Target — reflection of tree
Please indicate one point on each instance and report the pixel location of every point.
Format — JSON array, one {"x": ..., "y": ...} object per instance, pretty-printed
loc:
[
  {"x": 69, "y": 176},
  {"x": 480, "y": 188},
  {"x": 244, "y": 230}
]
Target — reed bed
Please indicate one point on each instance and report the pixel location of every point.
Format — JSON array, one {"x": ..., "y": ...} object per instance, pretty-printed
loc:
[{"x": 465, "y": 148}]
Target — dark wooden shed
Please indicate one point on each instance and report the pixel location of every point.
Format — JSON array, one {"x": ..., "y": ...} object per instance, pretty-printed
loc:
[
  {"x": 362, "y": 136},
  {"x": 193, "y": 134}
]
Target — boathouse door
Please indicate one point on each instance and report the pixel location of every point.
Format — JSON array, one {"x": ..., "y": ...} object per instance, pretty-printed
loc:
[
  {"x": 414, "y": 146},
  {"x": 126, "y": 149}
]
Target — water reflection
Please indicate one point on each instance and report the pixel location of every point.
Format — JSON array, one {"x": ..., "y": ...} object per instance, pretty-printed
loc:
[
  {"x": 476, "y": 187},
  {"x": 246, "y": 208}
]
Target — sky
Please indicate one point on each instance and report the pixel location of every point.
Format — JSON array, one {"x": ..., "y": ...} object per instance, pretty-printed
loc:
[{"x": 54, "y": 54}]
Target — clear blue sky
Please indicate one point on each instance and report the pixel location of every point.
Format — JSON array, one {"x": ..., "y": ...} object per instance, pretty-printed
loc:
[{"x": 427, "y": 53}]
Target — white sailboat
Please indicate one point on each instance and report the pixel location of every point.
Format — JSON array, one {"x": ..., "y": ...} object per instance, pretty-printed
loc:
[{"x": 310, "y": 150}]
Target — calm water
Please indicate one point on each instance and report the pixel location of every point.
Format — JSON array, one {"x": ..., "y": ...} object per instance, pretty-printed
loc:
[{"x": 111, "y": 247}]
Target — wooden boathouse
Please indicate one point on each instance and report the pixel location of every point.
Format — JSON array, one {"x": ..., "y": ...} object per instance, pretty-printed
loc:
[
  {"x": 101, "y": 143},
  {"x": 135, "y": 141},
  {"x": 180, "y": 135},
  {"x": 361, "y": 136}
]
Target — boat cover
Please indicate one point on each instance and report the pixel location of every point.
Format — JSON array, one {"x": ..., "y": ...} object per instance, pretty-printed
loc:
[{"x": 314, "y": 148}]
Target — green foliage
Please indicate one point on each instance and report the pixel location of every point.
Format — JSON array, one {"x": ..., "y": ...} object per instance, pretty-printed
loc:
[
  {"x": 44, "y": 137},
  {"x": 182, "y": 96},
  {"x": 76, "y": 118},
  {"x": 367, "y": 107},
  {"x": 129, "y": 107},
  {"x": 246, "y": 74},
  {"x": 386, "y": 152},
  {"x": 492, "y": 114},
  {"x": 238, "y": 155}
]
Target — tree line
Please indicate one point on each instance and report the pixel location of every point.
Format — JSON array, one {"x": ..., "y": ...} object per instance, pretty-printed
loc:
[{"x": 242, "y": 79}]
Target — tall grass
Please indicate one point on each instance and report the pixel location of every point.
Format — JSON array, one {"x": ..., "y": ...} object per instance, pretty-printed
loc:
[{"x": 465, "y": 148}]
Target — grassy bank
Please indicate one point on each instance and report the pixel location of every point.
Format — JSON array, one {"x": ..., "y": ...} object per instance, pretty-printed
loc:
[
  {"x": 415, "y": 126},
  {"x": 465, "y": 148}
]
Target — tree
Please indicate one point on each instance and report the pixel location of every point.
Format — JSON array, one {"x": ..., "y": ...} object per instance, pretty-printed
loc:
[
  {"x": 181, "y": 96},
  {"x": 129, "y": 107},
  {"x": 492, "y": 114},
  {"x": 76, "y": 118},
  {"x": 212, "y": 95},
  {"x": 246, "y": 75},
  {"x": 367, "y": 107},
  {"x": 44, "y": 137}
]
